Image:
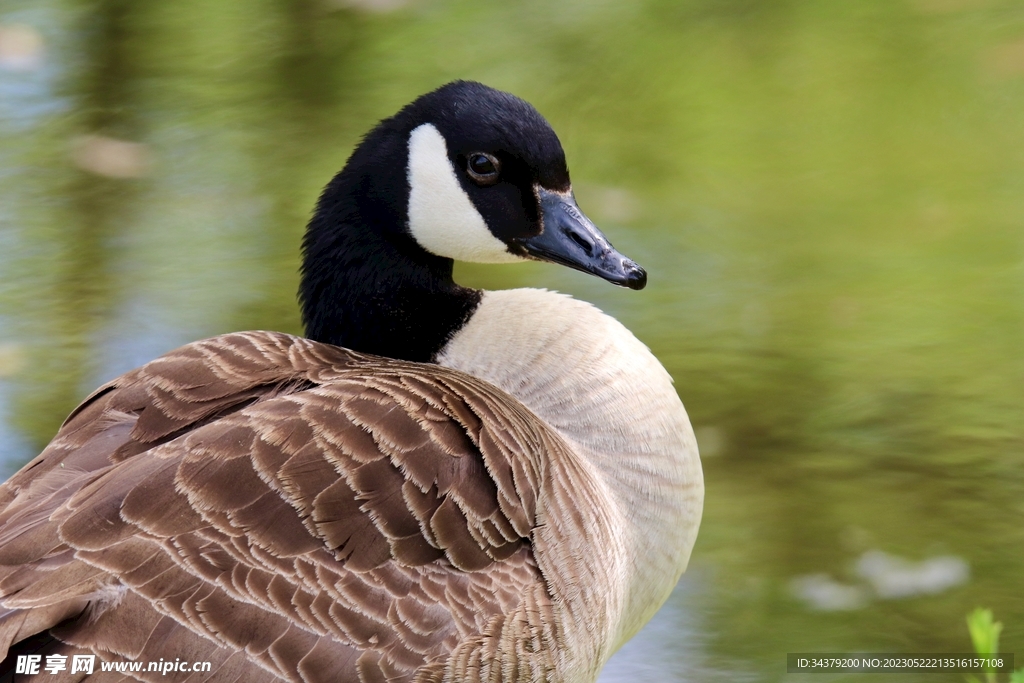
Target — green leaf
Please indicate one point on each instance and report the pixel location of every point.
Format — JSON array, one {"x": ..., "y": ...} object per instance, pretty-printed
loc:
[{"x": 984, "y": 632}]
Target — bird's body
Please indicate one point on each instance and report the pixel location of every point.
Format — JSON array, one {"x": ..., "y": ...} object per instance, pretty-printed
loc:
[{"x": 484, "y": 486}]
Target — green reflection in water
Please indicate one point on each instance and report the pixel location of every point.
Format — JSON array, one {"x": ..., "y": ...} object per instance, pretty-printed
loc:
[{"x": 828, "y": 197}]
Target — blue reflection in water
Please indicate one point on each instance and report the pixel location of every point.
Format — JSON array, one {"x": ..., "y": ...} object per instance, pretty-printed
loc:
[
  {"x": 14, "y": 450},
  {"x": 672, "y": 647}
]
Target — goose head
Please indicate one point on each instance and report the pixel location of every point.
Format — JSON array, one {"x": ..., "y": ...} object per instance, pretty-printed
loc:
[{"x": 465, "y": 172}]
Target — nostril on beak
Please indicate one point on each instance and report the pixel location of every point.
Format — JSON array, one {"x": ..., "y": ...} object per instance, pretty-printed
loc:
[{"x": 583, "y": 242}]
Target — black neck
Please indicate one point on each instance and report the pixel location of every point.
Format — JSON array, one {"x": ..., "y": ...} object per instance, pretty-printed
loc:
[{"x": 368, "y": 286}]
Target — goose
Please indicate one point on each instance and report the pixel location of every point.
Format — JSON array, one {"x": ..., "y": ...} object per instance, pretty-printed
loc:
[{"x": 435, "y": 484}]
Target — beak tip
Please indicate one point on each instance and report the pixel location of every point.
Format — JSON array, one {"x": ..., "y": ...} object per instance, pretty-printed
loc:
[{"x": 636, "y": 277}]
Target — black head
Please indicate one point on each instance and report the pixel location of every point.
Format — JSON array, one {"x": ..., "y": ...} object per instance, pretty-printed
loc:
[
  {"x": 498, "y": 147},
  {"x": 465, "y": 172}
]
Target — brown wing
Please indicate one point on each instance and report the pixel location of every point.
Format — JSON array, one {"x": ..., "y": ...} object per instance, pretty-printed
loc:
[{"x": 284, "y": 510}]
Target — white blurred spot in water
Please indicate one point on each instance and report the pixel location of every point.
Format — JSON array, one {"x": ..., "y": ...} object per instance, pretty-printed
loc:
[
  {"x": 710, "y": 441},
  {"x": 21, "y": 48},
  {"x": 894, "y": 577},
  {"x": 12, "y": 359},
  {"x": 888, "y": 577},
  {"x": 110, "y": 157},
  {"x": 821, "y": 592}
]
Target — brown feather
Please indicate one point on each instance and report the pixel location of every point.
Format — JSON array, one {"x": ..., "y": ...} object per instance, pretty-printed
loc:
[{"x": 285, "y": 510}]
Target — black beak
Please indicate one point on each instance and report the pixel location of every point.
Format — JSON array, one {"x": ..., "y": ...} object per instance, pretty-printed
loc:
[{"x": 570, "y": 238}]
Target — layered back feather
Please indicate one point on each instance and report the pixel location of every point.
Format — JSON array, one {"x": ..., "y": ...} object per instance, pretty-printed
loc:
[{"x": 290, "y": 510}]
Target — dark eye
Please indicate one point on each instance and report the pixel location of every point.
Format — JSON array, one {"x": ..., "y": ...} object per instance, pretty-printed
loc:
[{"x": 483, "y": 168}]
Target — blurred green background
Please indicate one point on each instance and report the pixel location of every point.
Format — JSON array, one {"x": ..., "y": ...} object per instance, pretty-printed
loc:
[{"x": 828, "y": 197}]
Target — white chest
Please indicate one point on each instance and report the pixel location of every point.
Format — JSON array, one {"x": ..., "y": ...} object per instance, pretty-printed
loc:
[{"x": 590, "y": 379}]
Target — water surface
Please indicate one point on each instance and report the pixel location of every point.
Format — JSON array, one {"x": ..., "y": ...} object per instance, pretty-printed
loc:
[{"x": 828, "y": 196}]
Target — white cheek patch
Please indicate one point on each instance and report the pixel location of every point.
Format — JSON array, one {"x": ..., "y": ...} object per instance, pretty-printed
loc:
[{"x": 442, "y": 217}]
